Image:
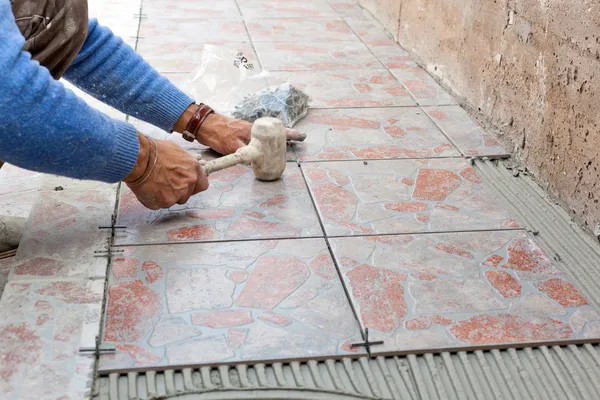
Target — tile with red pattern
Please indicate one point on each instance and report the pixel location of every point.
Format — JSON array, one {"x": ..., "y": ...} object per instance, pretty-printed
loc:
[
  {"x": 403, "y": 196},
  {"x": 232, "y": 301},
  {"x": 421, "y": 85},
  {"x": 438, "y": 291},
  {"x": 235, "y": 206},
  {"x": 348, "y": 88},
  {"x": 164, "y": 9},
  {"x": 122, "y": 17},
  {"x": 309, "y": 56},
  {"x": 61, "y": 235},
  {"x": 371, "y": 133},
  {"x": 465, "y": 132},
  {"x": 390, "y": 53},
  {"x": 176, "y": 31},
  {"x": 326, "y": 30},
  {"x": 42, "y": 327},
  {"x": 172, "y": 60},
  {"x": 252, "y": 9}
]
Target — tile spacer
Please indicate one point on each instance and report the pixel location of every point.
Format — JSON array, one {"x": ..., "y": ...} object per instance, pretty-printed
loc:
[
  {"x": 367, "y": 343},
  {"x": 99, "y": 350},
  {"x": 112, "y": 227},
  {"x": 106, "y": 253}
]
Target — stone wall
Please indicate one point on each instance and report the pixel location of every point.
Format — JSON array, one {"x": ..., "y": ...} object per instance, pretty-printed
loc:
[{"x": 528, "y": 68}]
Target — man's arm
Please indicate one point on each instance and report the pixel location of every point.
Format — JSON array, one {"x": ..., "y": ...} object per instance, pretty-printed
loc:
[
  {"x": 45, "y": 127},
  {"x": 111, "y": 71}
]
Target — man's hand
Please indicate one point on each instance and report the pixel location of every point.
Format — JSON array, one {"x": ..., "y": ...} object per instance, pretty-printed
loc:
[
  {"x": 223, "y": 134},
  {"x": 175, "y": 177}
]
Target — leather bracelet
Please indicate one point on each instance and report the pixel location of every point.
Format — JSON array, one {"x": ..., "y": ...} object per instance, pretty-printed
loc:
[
  {"x": 202, "y": 112},
  {"x": 149, "y": 168}
]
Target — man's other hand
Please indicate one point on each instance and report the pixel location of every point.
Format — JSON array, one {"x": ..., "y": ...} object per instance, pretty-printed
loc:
[
  {"x": 165, "y": 174},
  {"x": 224, "y": 134}
]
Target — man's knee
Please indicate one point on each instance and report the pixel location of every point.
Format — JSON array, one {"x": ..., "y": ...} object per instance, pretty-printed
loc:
[{"x": 54, "y": 30}]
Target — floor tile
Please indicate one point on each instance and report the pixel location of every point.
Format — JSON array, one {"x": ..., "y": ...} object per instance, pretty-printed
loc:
[
  {"x": 390, "y": 53},
  {"x": 285, "y": 8},
  {"x": 41, "y": 327},
  {"x": 62, "y": 233},
  {"x": 14, "y": 180},
  {"x": 300, "y": 30},
  {"x": 176, "y": 32},
  {"x": 54, "y": 182},
  {"x": 348, "y": 88},
  {"x": 172, "y": 60},
  {"x": 348, "y": 8},
  {"x": 373, "y": 133},
  {"x": 303, "y": 56},
  {"x": 403, "y": 196},
  {"x": 18, "y": 203},
  {"x": 222, "y": 9},
  {"x": 460, "y": 290},
  {"x": 236, "y": 206},
  {"x": 100, "y": 7},
  {"x": 121, "y": 17},
  {"x": 465, "y": 132},
  {"x": 197, "y": 304},
  {"x": 422, "y": 86}
]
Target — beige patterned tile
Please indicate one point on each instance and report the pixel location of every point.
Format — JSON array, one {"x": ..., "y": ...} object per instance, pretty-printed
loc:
[
  {"x": 194, "y": 304},
  {"x": 371, "y": 133}
]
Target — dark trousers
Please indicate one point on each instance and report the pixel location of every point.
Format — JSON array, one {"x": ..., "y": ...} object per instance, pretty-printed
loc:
[{"x": 54, "y": 30}]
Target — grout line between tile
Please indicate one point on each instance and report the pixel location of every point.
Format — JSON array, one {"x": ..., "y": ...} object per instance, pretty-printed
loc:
[
  {"x": 99, "y": 339},
  {"x": 441, "y": 130},
  {"x": 218, "y": 241},
  {"x": 315, "y": 237},
  {"x": 248, "y": 33},
  {"x": 333, "y": 258},
  {"x": 380, "y": 159},
  {"x": 358, "y": 108},
  {"x": 429, "y": 233}
]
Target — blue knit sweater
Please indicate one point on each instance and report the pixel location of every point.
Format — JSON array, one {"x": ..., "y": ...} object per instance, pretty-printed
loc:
[{"x": 46, "y": 127}]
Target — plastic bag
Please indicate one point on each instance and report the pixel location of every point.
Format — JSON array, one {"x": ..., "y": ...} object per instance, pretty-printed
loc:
[{"x": 233, "y": 84}]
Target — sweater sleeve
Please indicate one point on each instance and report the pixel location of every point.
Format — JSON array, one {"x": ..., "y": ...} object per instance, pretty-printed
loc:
[
  {"x": 112, "y": 72},
  {"x": 46, "y": 127}
]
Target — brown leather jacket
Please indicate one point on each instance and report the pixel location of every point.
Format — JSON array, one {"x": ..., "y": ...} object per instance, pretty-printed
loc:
[{"x": 54, "y": 30}]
